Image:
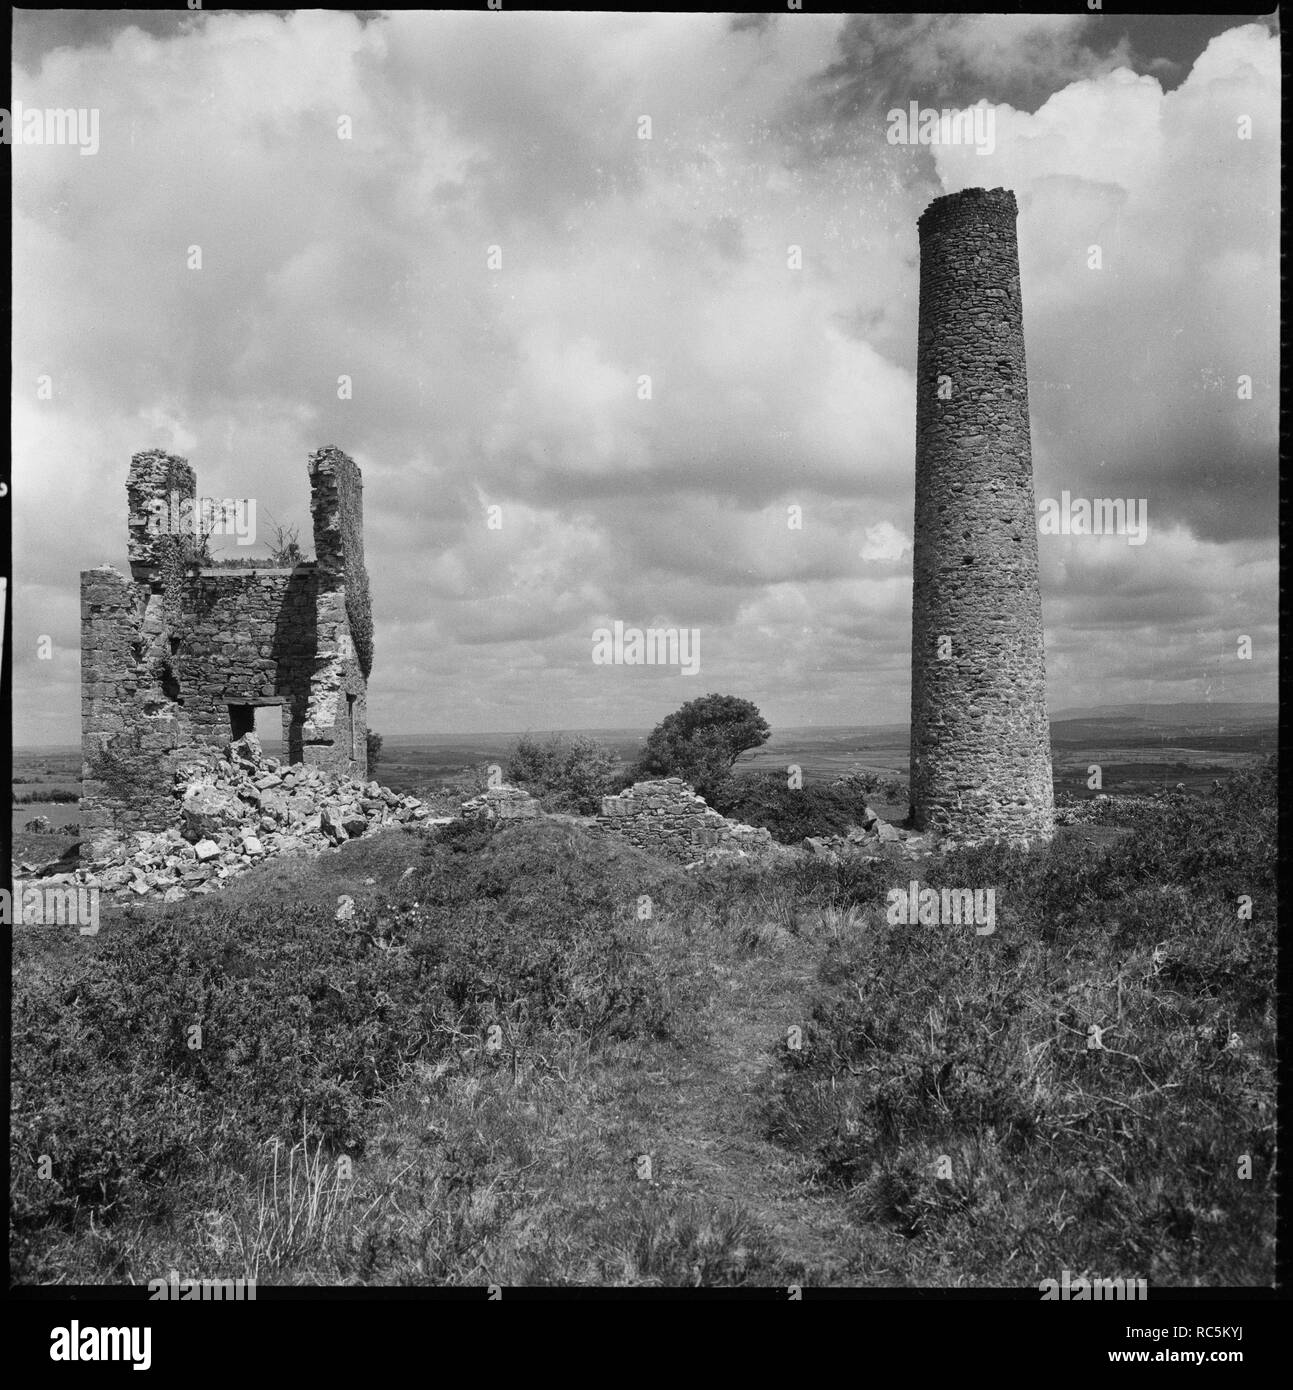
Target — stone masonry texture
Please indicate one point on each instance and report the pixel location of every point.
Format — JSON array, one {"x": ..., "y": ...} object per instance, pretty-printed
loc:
[
  {"x": 177, "y": 656},
  {"x": 980, "y": 738},
  {"x": 666, "y": 817}
]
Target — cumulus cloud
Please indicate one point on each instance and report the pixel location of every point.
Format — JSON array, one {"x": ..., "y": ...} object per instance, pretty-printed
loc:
[
  {"x": 644, "y": 351},
  {"x": 1146, "y": 359},
  {"x": 953, "y": 60}
]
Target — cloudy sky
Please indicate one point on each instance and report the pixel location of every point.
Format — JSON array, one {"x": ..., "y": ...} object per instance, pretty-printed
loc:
[{"x": 519, "y": 386}]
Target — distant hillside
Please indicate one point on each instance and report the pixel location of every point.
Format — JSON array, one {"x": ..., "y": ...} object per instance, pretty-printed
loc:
[
  {"x": 1219, "y": 727},
  {"x": 1196, "y": 714},
  {"x": 1098, "y": 722}
]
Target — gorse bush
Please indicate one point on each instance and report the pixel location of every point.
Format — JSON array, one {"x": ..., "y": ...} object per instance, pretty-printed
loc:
[{"x": 565, "y": 774}]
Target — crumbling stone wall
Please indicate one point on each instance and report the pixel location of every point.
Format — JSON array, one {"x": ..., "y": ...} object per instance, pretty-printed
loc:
[
  {"x": 154, "y": 475},
  {"x": 336, "y": 723},
  {"x": 500, "y": 803},
  {"x": 179, "y": 655},
  {"x": 337, "y": 508},
  {"x": 667, "y": 817},
  {"x": 980, "y": 739},
  {"x": 129, "y": 727}
]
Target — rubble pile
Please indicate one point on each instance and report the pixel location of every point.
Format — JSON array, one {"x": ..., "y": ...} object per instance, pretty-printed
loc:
[
  {"x": 236, "y": 808},
  {"x": 867, "y": 839}
]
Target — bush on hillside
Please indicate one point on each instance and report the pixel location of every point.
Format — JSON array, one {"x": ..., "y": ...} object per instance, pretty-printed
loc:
[
  {"x": 565, "y": 774},
  {"x": 701, "y": 741},
  {"x": 374, "y": 749}
]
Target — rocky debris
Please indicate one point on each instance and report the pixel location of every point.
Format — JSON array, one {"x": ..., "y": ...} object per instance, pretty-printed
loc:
[
  {"x": 866, "y": 840},
  {"x": 761, "y": 853},
  {"x": 236, "y": 808},
  {"x": 38, "y": 825},
  {"x": 667, "y": 817},
  {"x": 206, "y": 811},
  {"x": 331, "y": 824},
  {"x": 500, "y": 803}
]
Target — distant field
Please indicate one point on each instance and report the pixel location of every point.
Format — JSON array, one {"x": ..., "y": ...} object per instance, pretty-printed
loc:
[
  {"x": 1132, "y": 761},
  {"x": 44, "y": 771},
  {"x": 822, "y": 754},
  {"x": 1133, "y": 755}
]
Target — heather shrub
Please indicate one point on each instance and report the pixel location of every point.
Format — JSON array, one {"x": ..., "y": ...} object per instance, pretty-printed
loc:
[
  {"x": 210, "y": 1027},
  {"x": 788, "y": 813},
  {"x": 960, "y": 1085}
]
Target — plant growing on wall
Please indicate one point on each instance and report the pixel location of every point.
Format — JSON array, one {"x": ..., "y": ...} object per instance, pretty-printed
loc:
[{"x": 285, "y": 545}]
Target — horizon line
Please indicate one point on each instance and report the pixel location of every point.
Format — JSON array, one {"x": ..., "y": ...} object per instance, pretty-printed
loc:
[{"x": 1075, "y": 711}]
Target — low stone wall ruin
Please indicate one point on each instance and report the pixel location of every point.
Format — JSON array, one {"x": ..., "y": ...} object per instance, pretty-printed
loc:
[
  {"x": 666, "y": 817},
  {"x": 500, "y": 803}
]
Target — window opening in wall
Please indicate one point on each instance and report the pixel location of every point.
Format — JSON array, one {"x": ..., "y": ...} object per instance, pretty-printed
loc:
[
  {"x": 242, "y": 720},
  {"x": 269, "y": 728}
]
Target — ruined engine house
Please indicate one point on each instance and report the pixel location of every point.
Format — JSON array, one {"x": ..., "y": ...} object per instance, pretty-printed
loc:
[{"x": 179, "y": 655}]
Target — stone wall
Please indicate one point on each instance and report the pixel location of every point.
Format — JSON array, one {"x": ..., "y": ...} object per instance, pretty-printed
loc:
[
  {"x": 179, "y": 656},
  {"x": 129, "y": 727},
  {"x": 980, "y": 739},
  {"x": 337, "y": 511},
  {"x": 154, "y": 476},
  {"x": 500, "y": 803},
  {"x": 666, "y": 817},
  {"x": 336, "y": 724}
]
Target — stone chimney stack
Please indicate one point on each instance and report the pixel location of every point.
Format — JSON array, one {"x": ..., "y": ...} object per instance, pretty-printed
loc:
[{"x": 980, "y": 737}]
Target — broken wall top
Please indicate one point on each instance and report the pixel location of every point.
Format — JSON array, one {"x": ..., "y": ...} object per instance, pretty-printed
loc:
[{"x": 337, "y": 510}]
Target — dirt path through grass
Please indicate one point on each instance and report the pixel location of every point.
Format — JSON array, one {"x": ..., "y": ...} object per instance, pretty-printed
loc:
[{"x": 706, "y": 1111}]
